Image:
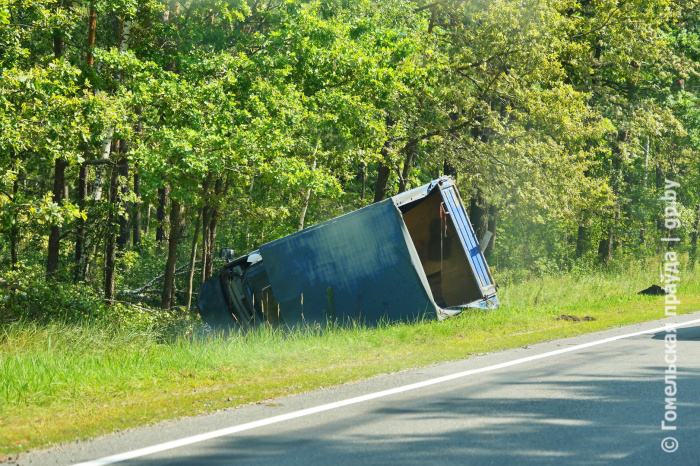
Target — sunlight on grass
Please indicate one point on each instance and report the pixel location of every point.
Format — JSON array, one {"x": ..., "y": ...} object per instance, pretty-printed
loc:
[{"x": 61, "y": 382}]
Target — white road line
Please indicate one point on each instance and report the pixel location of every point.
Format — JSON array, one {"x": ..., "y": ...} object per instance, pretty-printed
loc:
[{"x": 372, "y": 396}]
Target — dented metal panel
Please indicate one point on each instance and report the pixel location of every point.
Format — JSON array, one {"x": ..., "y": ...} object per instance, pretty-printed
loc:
[
  {"x": 409, "y": 256},
  {"x": 358, "y": 267}
]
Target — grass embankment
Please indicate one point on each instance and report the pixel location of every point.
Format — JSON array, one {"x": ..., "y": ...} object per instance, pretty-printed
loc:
[{"x": 60, "y": 382}]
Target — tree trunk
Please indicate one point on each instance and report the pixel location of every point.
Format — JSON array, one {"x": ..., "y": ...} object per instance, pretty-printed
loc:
[
  {"x": 210, "y": 221},
  {"x": 59, "y": 189},
  {"x": 605, "y": 248},
  {"x": 433, "y": 18},
  {"x": 123, "y": 238},
  {"x": 383, "y": 172},
  {"x": 659, "y": 186},
  {"x": 78, "y": 266},
  {"x": 92, "y": 27},
  {"x": 492, "y": 225},
  {"x": 182, "y": 228},
  {"x": 136, "y": 213},
  {"x": 478, "y": 214},
  {"x": 57, "y": 43},
  {"x": 112, "y": 224},
  {"x": 58, "y": 186},
  {"x": 89, "y": 249},
  {"x": 14, "y": 243},
  {"x": 193, "y": 259},
  {"x": 57, "y": 46},
  {"x": 213, "y": 223},
  {"x": 14, "y": 228},
  {"x": 160, "y": 213},
  {"x": 79, "y": 269},
  {"x": 148, "y": 219},
  {"x": 168, "y": 297},
  {"x": 100, "y": 170},
  {"x": 206, "y": 255},
  {"x": 581, "y": 240},
  {"x": 208, "y": 258},
  {"x": 305, "y": 205},
  {"x": 405, "y": 173},
  {"x": 170, "y": 8},
  {"x": 107, "y": 138},
  {"x": 124, "y": 35},
  {"x": 364, "y": 182},
  {"x": 449, "y": 170},
  {"x": 206, "y": 223},
  {"x": 646, "y": 163}
]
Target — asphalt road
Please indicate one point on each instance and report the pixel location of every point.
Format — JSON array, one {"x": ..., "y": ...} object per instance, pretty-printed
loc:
[{"x": 551, "y": 403}]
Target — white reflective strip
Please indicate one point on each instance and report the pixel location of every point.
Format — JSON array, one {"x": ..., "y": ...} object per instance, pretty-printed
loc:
[{"x": 372, "y": 396}]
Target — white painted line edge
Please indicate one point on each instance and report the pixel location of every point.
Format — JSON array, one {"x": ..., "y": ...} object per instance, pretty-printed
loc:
[{"x": 372, "y": 396}]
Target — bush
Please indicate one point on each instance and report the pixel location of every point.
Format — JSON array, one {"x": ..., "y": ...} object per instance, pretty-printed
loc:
[{"x": 45, "y": 301}]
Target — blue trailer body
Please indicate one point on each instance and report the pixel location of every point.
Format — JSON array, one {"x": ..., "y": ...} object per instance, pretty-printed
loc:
[
  {"x": 414, "y": 255},
  {"x": 359, "y": 266}
]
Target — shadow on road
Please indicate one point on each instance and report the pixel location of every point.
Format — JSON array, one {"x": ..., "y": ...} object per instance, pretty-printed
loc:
[
  {"x": 590, "y": 419},
  {"x": 682, "y": 334}
]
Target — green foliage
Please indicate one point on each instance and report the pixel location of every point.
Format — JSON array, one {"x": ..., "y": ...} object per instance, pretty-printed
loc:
[
  {"x": 562, "y": 118},
  {"x": 42, "y": 301}
]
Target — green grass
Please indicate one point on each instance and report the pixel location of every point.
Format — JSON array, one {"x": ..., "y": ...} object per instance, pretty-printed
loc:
[{"x": 62, "y": 382}]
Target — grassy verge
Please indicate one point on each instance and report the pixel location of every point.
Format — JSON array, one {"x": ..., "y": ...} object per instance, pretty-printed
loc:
[{"x": 61, "y": 383}]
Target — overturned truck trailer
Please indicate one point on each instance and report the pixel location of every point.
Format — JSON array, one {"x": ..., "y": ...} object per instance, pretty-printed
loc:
[{"x": 412, "y": 255}]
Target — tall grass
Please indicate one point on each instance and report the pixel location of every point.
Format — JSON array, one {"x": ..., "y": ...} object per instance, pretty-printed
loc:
[{"x": 92, "y": 377}]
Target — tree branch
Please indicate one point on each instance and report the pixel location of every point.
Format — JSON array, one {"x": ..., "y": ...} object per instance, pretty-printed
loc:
[
  {"x": 100, "y": 162},
  {"x": 12, "y": 286},
  {"x": 605, "y": 23},
  {"x": 180, "y": 270},
  {"x": 426, "y": 7},
  {"x": 65, "y": 233}
]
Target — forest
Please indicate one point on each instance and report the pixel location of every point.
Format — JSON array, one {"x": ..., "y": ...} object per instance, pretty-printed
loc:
[{"x": 139, "y": 137}]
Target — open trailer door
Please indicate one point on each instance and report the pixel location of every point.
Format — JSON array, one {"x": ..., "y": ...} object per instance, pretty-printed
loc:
[
  {"x": 460, "y": 222},
  {"x": 446, "y": 244}
]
